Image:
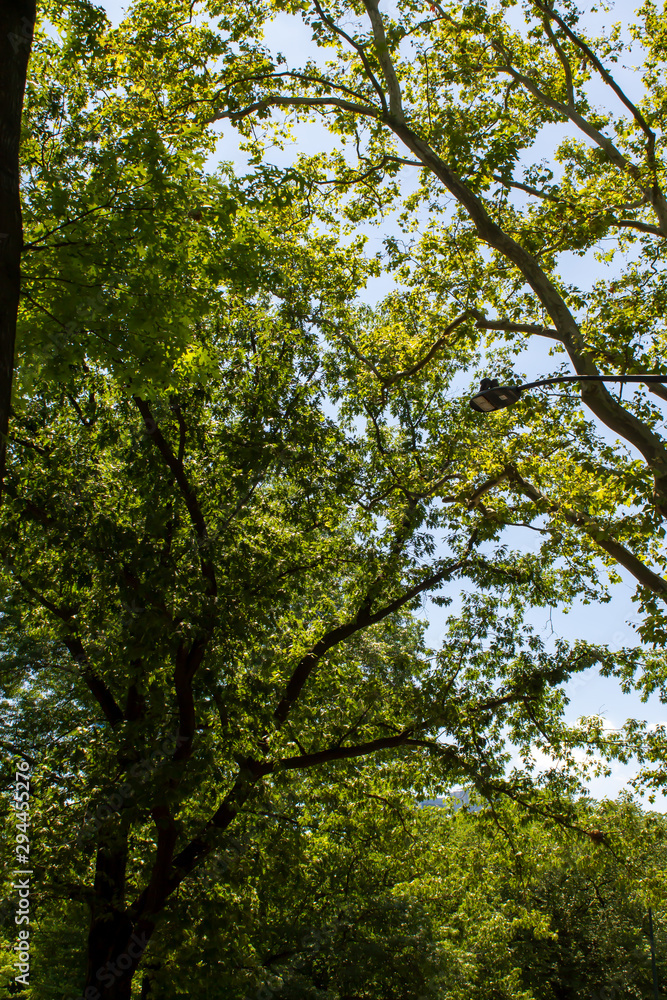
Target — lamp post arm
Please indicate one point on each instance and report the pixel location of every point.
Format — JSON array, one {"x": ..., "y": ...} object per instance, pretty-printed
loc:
[{"x": 648, "y": 379}]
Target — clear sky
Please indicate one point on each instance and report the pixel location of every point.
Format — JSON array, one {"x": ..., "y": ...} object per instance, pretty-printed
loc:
[{"x": 609, "y": 624}]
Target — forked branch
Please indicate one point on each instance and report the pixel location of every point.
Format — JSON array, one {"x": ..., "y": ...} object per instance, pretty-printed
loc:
[{"x": 385, "y": 60}]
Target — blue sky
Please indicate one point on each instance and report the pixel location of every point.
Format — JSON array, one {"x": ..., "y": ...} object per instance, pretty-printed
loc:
[{"x": 611, "y": 623}]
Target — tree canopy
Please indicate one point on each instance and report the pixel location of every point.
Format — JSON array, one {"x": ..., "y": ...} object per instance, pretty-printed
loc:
[{"x": 231, "y": 485}]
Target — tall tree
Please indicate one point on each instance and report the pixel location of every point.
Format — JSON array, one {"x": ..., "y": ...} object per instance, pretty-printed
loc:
[
  {"x": 467, "y": 96},
  {"x": 230, "y": 491},
  {"x": 212, "y": 589},
  {"x": 17, "y": 20}
]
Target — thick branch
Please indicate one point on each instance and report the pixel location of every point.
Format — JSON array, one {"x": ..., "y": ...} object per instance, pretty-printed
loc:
[
  {"x": 17, "y": 19},
  {"x": 175, "y": 466},
  {"x": 642, "y": 227},
  {"x": 385, "y": 60},
  {"x": 345, "y": 753},
  {"x": 186, "y": 665},
  {"x": 645, "y": 576},
  {"x": 659, "y": 390},
  {"x": 504, "y": 324},
  {"x": 363, "y": 620},
  {"x": 200, "y": 846},
  {"x": 486, "y": 487}
]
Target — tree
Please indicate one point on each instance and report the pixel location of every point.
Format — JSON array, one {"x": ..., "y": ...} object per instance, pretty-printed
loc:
[
  {"x": 468, "y": 96},
  {"x": 355, "y": 892},
  {"x": 228, "y": 494},
  {"x": 16, "y": 27},
  {"x": 166, "y": 710},
  {"x": 527, "y": 910}
]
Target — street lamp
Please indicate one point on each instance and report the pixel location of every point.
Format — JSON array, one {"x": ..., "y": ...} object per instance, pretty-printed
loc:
[{"x": 493, "y": 396}]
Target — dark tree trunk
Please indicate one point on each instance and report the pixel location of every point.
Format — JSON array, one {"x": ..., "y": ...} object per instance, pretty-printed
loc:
[
  {"x": 17, "y": 20},
  {"x": 115, "y": 949},
  {"x": 116, "y": 943},
  {"x": 119, "y": 934}
]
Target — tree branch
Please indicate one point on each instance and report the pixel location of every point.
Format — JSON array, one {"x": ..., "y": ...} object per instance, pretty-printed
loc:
[
  {"x": 345, "y": 753},
  {"x": 96, "y": 685},
  {"x": 359, "y": 49},
  {"x": 486, "y": 487},
  {"x": 385, "y": 60},
  {"x": 363, "y": 620},
  {"x": 642, "y": 227},
  {"x": 645, "y": 576},
  {"x": 175, "y": 466},
  {"x": 297, "y": 102},
  {"x": 432, "y": 353},
  {"x": 78, "y": 410},
  {"x": 565, "y": 62},
  {"x": 186, "y": 664},
  {"x": 99, "y": 690},
  {"x": 659, "y": 390},
  {"x": 504, "y": 324},
  {"x": 251, "y": 771}
]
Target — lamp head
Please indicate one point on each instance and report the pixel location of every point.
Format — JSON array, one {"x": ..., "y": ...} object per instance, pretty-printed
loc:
[{"x": 493, "y": 396}]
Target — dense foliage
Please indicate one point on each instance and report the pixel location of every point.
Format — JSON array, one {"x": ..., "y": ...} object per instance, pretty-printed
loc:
[
  {"x": 231, "y": 488},
  {"x": 358, "y": 894}
]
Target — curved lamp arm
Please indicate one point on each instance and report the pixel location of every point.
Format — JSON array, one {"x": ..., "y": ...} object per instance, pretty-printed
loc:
[{"x": 493, "y": 396}]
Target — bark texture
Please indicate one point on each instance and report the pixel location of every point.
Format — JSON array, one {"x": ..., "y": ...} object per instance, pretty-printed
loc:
[{"x": 17, "y": 19}]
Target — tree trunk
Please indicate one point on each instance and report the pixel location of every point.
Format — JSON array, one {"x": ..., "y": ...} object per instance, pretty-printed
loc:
[
  {"x": 116, "y": 942},
  {"x": 111, "y": 960},
  {"x": 17, "y": 20},
  {"x": 115, "y": 949}
]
